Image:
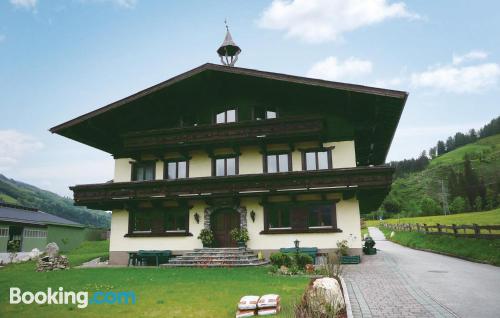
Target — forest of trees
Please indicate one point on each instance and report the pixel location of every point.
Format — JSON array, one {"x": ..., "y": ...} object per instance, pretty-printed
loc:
[
  {"x": 469, "y": 192},
  {"x": 465, "y": 187},
  {"x": 406, "y": 166}
]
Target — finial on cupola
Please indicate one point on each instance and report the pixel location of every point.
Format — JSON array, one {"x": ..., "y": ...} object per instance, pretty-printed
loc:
[{"x": 228, "y": 51}]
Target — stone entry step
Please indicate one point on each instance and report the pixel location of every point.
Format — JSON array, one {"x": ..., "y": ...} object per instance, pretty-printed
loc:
[{"x": 216, "y": 257}]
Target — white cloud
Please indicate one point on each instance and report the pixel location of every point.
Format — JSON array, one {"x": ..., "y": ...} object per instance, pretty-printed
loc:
[
  {"x": 470, "y": 56},
  {"x": 24, "y": 4},
  {"x": 333, "y": 69},
  {"x": 14, "y": 145},
  {"x": 458, "y": 79},
  {"x": 326, "y": 20}
]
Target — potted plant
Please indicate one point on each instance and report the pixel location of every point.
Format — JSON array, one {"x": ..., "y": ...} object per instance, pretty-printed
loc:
[
  {"x": 240, "y": 235},
  {"x": 207, "y": 238},
  {"x": 343, "y": 253}
]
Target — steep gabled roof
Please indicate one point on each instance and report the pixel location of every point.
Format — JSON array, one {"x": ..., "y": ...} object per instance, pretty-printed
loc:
[{"x": 101, "y": 128}]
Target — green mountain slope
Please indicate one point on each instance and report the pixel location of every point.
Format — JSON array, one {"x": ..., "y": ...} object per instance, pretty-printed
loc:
[
  {"x": 409, "y": 191},
  {"x": 12, "y": 191}
]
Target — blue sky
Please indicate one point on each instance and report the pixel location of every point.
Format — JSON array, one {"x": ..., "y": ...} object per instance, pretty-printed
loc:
[{"x": 60, "y": 59}]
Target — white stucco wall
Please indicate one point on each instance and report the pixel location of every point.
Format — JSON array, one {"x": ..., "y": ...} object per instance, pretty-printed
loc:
[
  {"x": 123, "y": 170},
  {"x": 200, "y": 165},
  {"x": 347, "y": 220}
]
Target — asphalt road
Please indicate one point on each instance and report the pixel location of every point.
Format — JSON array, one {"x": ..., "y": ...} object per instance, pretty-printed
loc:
[{"x": 468, "y": 289}]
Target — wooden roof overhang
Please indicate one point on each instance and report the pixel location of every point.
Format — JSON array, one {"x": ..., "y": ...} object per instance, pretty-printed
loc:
[
  {"x": 369, "y": 183},
  {"x": 366, "y": 114}
]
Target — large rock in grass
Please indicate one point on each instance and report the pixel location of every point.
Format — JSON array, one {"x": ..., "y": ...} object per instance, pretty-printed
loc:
[
  {"x": 327, "y": 293},
  {"x": 52, "y": 250}
]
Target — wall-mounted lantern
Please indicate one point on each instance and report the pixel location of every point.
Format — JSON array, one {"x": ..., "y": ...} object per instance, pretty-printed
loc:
[
  {"x": 252, "y": 215},
  {"x": 197, "y": 218}
]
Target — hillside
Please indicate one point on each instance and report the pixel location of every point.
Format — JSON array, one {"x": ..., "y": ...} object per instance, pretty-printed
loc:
[
  {"x": 408, "y": 192},
  {"x": 480, "y": 218},
  {"x": 12, "y": 191}
]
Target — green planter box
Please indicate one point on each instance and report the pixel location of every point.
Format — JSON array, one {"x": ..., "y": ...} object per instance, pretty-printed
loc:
[{"x": 356, "y": 259}]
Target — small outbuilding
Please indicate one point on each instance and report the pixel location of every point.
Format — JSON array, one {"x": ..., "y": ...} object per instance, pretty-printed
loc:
[{"x": 26, "y": 228}]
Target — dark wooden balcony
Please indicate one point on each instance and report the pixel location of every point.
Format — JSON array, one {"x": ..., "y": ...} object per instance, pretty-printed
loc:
[
  {"x": 117, "y": 195},
  {"x": 270, "y": 130}
]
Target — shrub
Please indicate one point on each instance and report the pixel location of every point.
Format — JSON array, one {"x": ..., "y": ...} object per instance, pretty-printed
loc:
[
  {"x": 302, "y": 260},
  {"x": 343, "y": 247},
  {"x": 240, "y": 235},
  {"x": 281, "y": 259},
  {"x": 429, "y": 206},
  {"x": 458, "y": 205},
  {"x": 207, "y": 237}
]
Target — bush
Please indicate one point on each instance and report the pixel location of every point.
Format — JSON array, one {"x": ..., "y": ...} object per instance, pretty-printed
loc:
[
  {"x": 240, "y": 235},
  {"x": 302, "y": 260},
  {"x": 207, "y": 237},
  {"x": 458, "y": 205},
  {"x": 429, "y": 206},
  {"x": 281, "y": 259}
]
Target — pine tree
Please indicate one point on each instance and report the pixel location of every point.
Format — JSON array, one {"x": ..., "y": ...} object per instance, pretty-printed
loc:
[
  {"x": 441, "y": 148},
  {"x": 433, "y": 152}
]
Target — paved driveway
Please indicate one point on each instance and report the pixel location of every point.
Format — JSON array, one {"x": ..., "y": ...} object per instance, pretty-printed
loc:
[{"x": 402, "y": 282}]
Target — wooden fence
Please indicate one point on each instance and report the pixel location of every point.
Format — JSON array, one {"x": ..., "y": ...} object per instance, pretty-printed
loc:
[{"x": 474, "y": 230}]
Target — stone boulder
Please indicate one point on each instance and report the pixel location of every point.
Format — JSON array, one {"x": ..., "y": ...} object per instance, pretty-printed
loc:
[
  {"x": 52, "y": 250},
  {"x": 35, "y": 253},
  {"x": 326, "y": 291}
]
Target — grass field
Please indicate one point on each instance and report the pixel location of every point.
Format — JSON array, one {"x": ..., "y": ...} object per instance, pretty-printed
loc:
[
  {"x": 470, "y": 248},
  {"x": 482, "y": 218},
  {"x": 172, "y": 292}
]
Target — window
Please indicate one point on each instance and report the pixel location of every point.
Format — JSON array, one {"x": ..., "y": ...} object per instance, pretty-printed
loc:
[
  {"x": 31, "y": 233},
  {"x": 225, "y": 166},
  {"x": 320, "y": 216},
  {"x": 261, "y": 113},
  {"x": 317, "y": 160},
  {"x": 279, "y": 218},
  {"x": 228, "y": 116},
  {"x": 143, "y": 171},
  {"x": 300, "y": 217},
  {"x": 175, "y": 220},
  {"x": 176, "y": 169},
  {"x": 278, "y": 162},
  {"x": 4, "y": 232},
  {"x": 141, "y": 221}
]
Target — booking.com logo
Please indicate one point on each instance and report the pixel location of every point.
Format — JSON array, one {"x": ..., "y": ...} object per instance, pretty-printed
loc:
[{"x": 63, "y": 297}]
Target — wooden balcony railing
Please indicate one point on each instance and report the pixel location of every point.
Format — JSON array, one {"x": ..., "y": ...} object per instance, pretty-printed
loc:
[
  {"x": 108, "y": 195},
  {"x": 281, "y": 129}
]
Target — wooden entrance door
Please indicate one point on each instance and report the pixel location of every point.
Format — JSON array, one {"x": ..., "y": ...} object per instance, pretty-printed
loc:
[{"x": 222, "y": 222}]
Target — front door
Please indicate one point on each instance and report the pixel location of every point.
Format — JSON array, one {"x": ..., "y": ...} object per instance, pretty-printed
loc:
[{"x": 223, "y": 221}]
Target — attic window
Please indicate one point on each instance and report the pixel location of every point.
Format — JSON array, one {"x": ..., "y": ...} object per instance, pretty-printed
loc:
[
  {"x": 228, "y": 116},
  {"x": 261, "y": 113}
]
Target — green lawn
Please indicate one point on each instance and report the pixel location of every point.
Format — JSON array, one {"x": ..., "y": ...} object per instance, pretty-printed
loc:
[
  {"x": 173, "y": 292},
  {"x": 482, "y": 218},
  {"x": 474, "y": 249}
]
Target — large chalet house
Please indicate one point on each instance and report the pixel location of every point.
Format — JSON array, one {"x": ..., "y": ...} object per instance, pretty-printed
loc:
[{"x": 221, "y": 147}]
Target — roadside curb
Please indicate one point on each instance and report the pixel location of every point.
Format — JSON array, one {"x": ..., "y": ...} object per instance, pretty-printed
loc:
[{"x": 347, "y": 301}]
